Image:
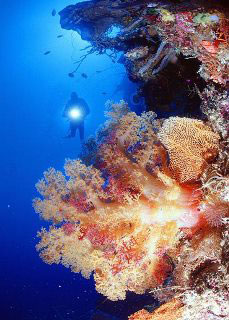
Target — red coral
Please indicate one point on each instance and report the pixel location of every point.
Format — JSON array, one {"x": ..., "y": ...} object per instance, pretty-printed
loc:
[
  {"x": 210, "y": 46},
  {"x": 80, "y": 202},
  {"x": 83, "y": 232},
  {"x": 162, "y": 269},
  {"x": 119, "y": 188},
  {"x": 129, "y": 251},
  {"x": 69, "y": 228},
  {"x": 98, "y": 238}
]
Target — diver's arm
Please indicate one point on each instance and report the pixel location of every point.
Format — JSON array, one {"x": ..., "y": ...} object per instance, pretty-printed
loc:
[
  {"x": 66, "y": 109},
  {"x": 87, "y": 110}
]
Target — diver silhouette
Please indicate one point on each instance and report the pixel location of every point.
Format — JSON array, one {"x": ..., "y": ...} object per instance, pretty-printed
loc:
[{"x": 76, "y": 111}]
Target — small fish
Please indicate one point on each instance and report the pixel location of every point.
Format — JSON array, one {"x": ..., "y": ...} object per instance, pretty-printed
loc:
[
  {"x": 104, "y": 93},
  {"x": 84, "y": 75},
  {"x": 150, "y": 308},
  {"x": 71, "y": 74},
  {"x": 46, "y": 52},
  {"x": 152, "y": 5},
  {"x": 60, "y": 36},
  {"x": 53, "y": 12},
  {"x": 98, "y": 71}
]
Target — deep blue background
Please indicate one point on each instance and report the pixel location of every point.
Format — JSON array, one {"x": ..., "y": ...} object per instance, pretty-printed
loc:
[{"x": 33, "y": 91}]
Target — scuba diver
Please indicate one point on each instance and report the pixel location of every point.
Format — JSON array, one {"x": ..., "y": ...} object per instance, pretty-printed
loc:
[{"x": 76, "y": 111}]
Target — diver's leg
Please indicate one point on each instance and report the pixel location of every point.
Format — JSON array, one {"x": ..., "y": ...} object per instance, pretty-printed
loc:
[
  {"x": 73, "y": 128},
  {"x": 81, "y": 130}
]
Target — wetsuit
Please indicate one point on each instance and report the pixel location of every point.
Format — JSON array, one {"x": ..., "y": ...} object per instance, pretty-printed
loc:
[{"x": 78, "y": 123}]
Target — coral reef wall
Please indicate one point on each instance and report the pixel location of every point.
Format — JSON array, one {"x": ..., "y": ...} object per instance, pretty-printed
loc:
[
  {"x": 157, "y": 40},
  {"x": 153, "y": 34},
  {"x": 146, "y": 208}
]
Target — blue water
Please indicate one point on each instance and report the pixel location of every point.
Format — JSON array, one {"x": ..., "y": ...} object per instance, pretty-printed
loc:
[{"x": 33, "y": 91}]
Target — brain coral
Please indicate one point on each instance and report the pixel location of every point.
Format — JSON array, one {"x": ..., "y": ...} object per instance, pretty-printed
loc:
[{"x": 190, "y": 145}]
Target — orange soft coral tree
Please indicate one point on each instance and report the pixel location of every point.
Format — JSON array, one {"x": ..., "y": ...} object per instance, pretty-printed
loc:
[{"x": 118, "y": 218}]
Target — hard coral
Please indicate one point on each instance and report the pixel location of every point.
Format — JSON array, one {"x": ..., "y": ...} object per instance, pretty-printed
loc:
[
  {"x": 201, "y": 35},
  {"x": 172, "y": 310},
  {"x": 215, "y": 105},
  {"x": 140, "y": 315},
  {"x": 190, "y": 145},
  {"x": 202, "y": 252},
  {"x": 209, "y": 305},
  {"x": 122, "y": 215}
]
